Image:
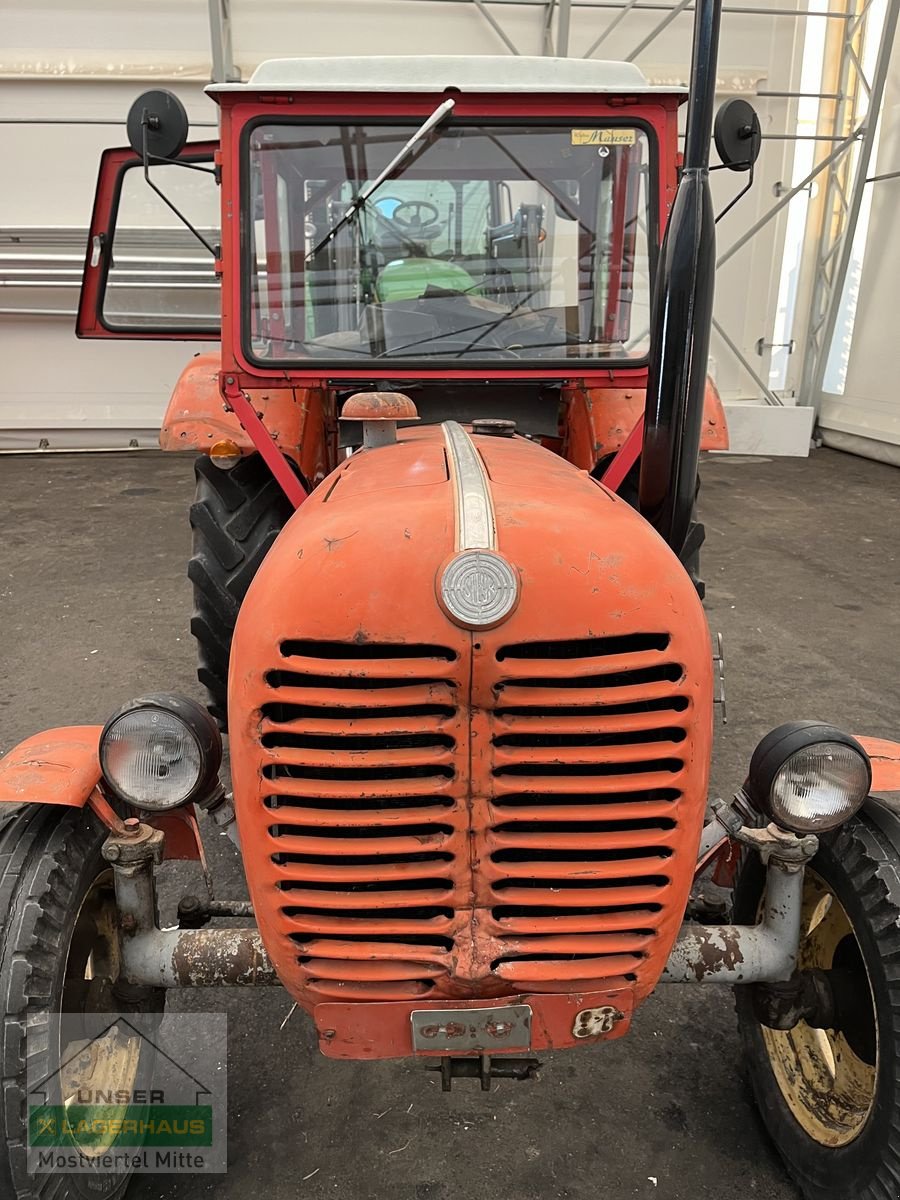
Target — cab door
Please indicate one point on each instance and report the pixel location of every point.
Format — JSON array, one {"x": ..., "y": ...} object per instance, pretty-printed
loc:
[{"x": 146, "y": 274}]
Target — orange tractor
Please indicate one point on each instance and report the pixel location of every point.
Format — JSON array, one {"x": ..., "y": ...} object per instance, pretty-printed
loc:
[{"x": 445, "y": 509}]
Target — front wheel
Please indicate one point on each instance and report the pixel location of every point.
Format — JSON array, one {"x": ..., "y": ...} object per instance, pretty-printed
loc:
[
  {"x": 59, "y": 955},
  {"x": 830, "y": 1098}
]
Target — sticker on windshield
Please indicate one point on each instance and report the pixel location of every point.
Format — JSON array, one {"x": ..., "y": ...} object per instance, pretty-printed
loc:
[{"x": 604, "y": 137}]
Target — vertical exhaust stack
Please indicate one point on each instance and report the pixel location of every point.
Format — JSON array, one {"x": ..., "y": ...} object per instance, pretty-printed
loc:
[{"x": 682, "y": 310}]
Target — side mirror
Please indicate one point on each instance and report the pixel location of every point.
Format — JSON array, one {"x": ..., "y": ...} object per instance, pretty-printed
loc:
[
  {"x": 737, "y": 135},
  {"x": 157, "y": 125}
]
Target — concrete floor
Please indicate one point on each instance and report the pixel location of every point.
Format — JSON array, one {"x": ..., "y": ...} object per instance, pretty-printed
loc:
[{"x": 804, "y": 582}]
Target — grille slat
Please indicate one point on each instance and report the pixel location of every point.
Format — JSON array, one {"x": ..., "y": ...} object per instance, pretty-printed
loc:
[
  {"x": 349, "y": 874},
  {"x": 295, "y": 842},
  {"x": 372, "y": 726},
  {"x": 396, "y": 970},
  {"x": 582, "y": 704},
  {"x": 529, "y": 896},
  {"x": 358, "y": 789},
  {"x": 584, "y": 945},
  {"x": 616, "y": 690},
  {"x": 355, "y": 818},
  {"x": 299, "y": 893},
  {"x": 513, "y": 809},
  {"x": 584, "y": 786},
  {"x": 305, "y": 923},
  {"x": 324, "y": 989},
  {"x": 329, "y": 700},
  {"x": 368, "y": 952},
  {"x": 513, "y": 730},
  {"x": 585, "y": 923},
  {"x": 367, "y": 672},
  {"x": 629, "y": 757},
  {"x": 577, "y": 840},
  {"x": 341, "y": 761},
  {"x": 648, "y": 665},
  {"x": 568, "y": 970},
  {"x": 580, "y": 870}
]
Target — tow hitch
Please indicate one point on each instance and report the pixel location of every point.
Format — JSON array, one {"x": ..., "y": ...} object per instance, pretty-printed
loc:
[{"x": 484, "y": 1068}]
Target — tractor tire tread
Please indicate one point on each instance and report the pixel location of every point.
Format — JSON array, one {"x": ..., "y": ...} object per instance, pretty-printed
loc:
[
  {"x": 235, "y": 518},
  {"x": 870, "y": 867},
  {"x": 41, "y": 855}
]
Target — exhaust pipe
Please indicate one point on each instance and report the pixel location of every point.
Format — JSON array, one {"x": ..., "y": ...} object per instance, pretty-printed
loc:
[{"x": 682, "y": 310}]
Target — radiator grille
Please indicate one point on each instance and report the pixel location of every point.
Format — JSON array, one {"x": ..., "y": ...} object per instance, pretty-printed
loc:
[
  {"x": 358, "y": 745},
  {"x": 404, "y": 871},
  {"x": 589, "y": 742}
]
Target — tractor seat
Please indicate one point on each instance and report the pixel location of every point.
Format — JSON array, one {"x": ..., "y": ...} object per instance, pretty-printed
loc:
[{"x": 409, "y": 278}]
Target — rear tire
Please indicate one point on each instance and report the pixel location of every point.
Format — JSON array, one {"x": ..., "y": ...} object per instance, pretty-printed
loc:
[
  {"x": 236, "y": 517},
  {"x": 56, "y": 908},
  {"x": 831, "y": 1099}
]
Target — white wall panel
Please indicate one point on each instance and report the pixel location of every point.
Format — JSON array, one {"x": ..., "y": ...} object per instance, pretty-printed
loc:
[
  {"x": 870, "y": 405},
  {"x": 89, "y": 61}
]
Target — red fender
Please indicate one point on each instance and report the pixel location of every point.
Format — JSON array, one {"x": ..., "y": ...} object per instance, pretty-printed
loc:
[
  {"x": 62, "y": 767},
  {"x": 58, "y": 766},
  {"x": 299, "y": 420},
  {"x": 599, "y": 421},
  {"x": 885, "y": 758}
]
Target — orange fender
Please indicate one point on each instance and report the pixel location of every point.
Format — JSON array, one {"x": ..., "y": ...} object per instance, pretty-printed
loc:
[
  {"x": 196, "y": 418},
  {"x": 62, "y": 767},
  {"x": 600, "y": 419},
  {"x": 885, "y": 758},
  {"x": 58, "y": 766}
]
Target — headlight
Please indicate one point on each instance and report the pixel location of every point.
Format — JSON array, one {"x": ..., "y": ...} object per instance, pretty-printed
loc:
[
  {"x": 161, "y": 751},
  {"x": 809, "y": 777}
]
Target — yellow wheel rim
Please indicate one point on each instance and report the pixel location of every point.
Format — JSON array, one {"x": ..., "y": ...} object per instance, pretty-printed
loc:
[
  {"x": 827, "y": 1077},
  {"x": 106, "y": 1065}
]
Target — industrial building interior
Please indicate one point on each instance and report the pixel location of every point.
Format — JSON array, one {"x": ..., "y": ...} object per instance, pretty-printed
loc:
[{"x": 801, "y": 559}]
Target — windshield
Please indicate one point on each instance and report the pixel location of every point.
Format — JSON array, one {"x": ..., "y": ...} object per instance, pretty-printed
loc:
[{"x": 485, "y": 243}]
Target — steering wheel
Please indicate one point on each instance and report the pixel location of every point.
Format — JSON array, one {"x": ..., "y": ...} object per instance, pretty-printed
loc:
[{"x": 414, "y": 222}]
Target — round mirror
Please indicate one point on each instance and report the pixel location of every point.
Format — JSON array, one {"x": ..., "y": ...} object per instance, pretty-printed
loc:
[
  {"x": 166, "y": 121},
  {"x": 737, "y": 134}
]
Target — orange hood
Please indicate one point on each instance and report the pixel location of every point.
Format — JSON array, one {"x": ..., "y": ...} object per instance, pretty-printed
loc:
[{"x": 429, "y": 811}]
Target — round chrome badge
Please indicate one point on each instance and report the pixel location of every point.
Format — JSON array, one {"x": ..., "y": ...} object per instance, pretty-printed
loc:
[{"x": 479, "y": 588}]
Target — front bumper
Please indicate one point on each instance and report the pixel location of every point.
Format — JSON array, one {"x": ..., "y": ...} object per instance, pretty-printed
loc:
[{"x": 391, "y": 1030}]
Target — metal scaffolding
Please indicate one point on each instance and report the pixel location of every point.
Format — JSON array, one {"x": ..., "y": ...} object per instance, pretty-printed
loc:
[
  {"x": 857, "y": 103},
  {"x": 858, "y": 48},
  {"x": 849, "y": 107}
]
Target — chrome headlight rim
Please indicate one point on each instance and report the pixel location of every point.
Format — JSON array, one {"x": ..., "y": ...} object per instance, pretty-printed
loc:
[
  {"x": 771, "y": 763},
  {"x": 203, "y": 732}
]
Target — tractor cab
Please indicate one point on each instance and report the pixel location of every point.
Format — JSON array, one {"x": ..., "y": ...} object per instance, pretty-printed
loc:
[
  {"x": 489, "y": 238},
  {"x": 393, "y": 216}
]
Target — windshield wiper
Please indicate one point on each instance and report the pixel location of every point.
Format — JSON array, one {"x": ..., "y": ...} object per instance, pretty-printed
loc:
[{"x": 359, "y": 200}]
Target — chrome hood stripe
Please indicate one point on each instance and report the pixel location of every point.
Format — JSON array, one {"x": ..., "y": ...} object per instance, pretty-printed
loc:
[{"x": 476, "y": 528}]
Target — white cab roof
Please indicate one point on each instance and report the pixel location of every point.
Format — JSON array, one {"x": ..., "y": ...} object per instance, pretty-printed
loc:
[{"x": 434, "y": 73}]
